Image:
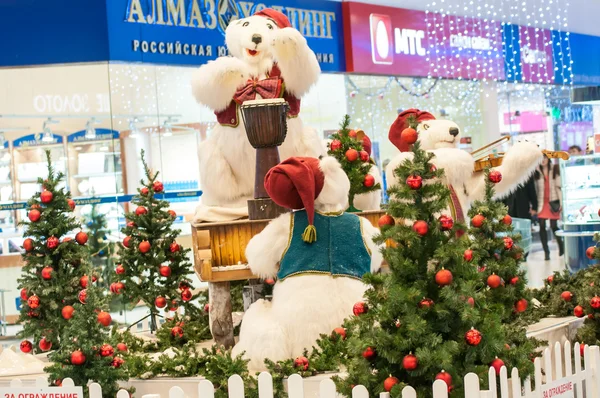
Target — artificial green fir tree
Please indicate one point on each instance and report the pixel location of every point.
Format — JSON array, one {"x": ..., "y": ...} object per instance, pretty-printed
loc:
[
  {"x": 428, "y": 319},
  {"x": 85, "y": 354},
  {"x": 152, "y": 266},
  {"x": 347, "y": 147},
  {"x": 52, "y": 276},
  {"x": 101, "y": 249}
]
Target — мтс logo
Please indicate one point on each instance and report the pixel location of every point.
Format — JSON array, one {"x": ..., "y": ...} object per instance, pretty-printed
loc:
[{"x": 382, "y": 47}]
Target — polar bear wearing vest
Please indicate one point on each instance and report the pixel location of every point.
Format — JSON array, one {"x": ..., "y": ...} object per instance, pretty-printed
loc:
[
  {"x": 442, "y": 137},
  {"x": 269, "y": 60},
  {"x": 318, "y": 255}
]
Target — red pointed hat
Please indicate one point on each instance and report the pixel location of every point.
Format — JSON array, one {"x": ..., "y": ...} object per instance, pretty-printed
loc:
[
  {"x": 401, "y": 123},
  {"x": 280, "y": 19},
  {"x": 294, "y": 184}
]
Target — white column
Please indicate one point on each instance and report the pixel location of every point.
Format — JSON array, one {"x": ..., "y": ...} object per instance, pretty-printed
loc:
[{"x": 489, "y": 113}]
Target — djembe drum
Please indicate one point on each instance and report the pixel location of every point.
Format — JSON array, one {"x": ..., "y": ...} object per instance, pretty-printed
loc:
[{"x": 266, "y": 128}]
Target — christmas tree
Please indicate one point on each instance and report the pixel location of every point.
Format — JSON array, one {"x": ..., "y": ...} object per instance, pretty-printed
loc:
[
  {"x": 152, "y": 266},
  {"x": 429, "y": 318},
  {"x": 85, "y": 354},
  {"x": 101, "y": 249},
  {"x": 53, "y": 273},
  {"x": 347, "y": 147}
]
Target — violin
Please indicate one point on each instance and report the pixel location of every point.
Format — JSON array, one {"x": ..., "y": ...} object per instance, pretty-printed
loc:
[{"x": 484, "y": 159}]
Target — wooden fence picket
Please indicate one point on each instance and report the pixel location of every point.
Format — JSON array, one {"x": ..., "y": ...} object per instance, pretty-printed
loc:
[
  {"x": 68, "y": 382},
  {"x": 492, "y": 391},
  {"x": 235, "y": 387},
  {"x": 472, "y": 389},
  {"x": 206, "y": 389},
  {"x": 528, "y": 392},
  {"x": 327, "y": 389},
  {"x": 265, "y": 385},
  {"x": 537, "y": 364},
  {"x": 558, "y": 361},
  {"x": 384, "y": 395},
  {"x": 295, "y": 386},
  {"x": 504, "y": 382},
  {"x": 151, "y": 396},
  {"x": 440, "y": 389},
  {"x": 409, "y": 392},
  {"x": 568, "y": 356},
  {"x": 176, "y": 392},
  {"x": 123, "y": 394},
  {"x": 95, "y": 390},
  {"x": 594, "y": 365},
  {"x": 578, "y": 380},
  {"x": 358, "y": 392},
  {"x": 548, "y": 365},
  {"x": 515, "y": 383}
]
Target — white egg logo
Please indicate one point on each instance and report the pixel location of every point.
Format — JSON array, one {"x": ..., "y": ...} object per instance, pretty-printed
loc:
[{"x": 382, "y": 41}]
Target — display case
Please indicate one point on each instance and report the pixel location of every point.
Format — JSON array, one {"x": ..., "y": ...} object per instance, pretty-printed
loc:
[{"x": 580, "y": 177}]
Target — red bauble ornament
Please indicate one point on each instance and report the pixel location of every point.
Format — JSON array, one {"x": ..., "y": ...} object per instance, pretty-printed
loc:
[
  {"x": 497, "y": 364},
  {"x": 446, "y": 378},
  {"x": 410, "y": 362},
  {"x": 127, "y": 241},
  {"x": 414, "y": 182},
  {"x": 582, "y": 349},
  {"x": 46, "y": 197},
  {"x": 33, "y": 302},
  {"x": 104, "y": 318},
  {"x": 426, "y": 303},
  {"x": 131, "y": 224},
  {"x": 177, "y": 331},
  {"x": 120, "y": 270},
  {"x": 339, "y": 332},
  {"x": 122, "y": 347},
  {"x": 335, "y": 145},
  {"x": 420, "y": 227},
  {"x": 24, "y": 296},
  {"x": 386, "y": 221},
  {"x": 495, "y": 176},
  {"x": 409, "y": 135},
  {"x": 351, "y": 155},
  {"x": 473, "y": 337},
  {"x": 160, "y": 302},
  {"x": 172, "y": 213},
  {"x": 71, "y": 204},
  {"x": 508, "y": 243},
  {"x": 141, "y": 210},
  {"x": 52, "y": 242},
  {"x": 590, "y": 252},
  {"x": 45, "y": 345},
  {"x": 364, "y": 156},
  {"x": 174, "y": 305},
  {"x": 32, "y": 314},
  {"x": 494, "y": 281},
  {"x": 186, "y": 295},
  {"x": 595, "y": 302},
  {"x": 26, "y": 346},
  {"x": 578, "y": 311},
  {"x": 117, "y": 287},
  {"x": 47, "y": 273},
  {"x": 566, "y": 295},
  {"x": 165, "y": 271},
  {"x": 117, "y": 362},
  {"x": 28, "y": 245},
  {"x": 270, "y": 281},
  {"x": 389, "y": 383},
  {"x": 477, "y": 221},
  {"x": 144, "y": 191},
  {"x": 144, "y": 246},
  {"x": 446, "y": 222},
  {"x": 158, "y": 186},
  {"x": 369, "y": 181},
  {"x": 83, "y": 281},
  {"x": 82, "y": 296},
  {"x": 174, "y": 247},
  {"x": 207, "y": 308},
  {"x": 77, "y": 358},
  {"x": 352, "y": 133},
  {"x": 521, "y": 305},
  {"x": 301, "y": 363},
  {"x": 34, "y": 215},
  {"x": 514, "y": 280},
  {"x": 360, "y": 308},
  {"x": 507, "y": 220},
  {"x": 369, "y": 353},
  {"x": 471, "y": 301},
  {"x": 468, "y": 255},
  {"x": 81, "y": 238},
  {"x": 550, "y": 279},
  {"x": 67, "y": 311},
  {"x": 106, "y": 350},
  {"x": 443, "y": 277}
]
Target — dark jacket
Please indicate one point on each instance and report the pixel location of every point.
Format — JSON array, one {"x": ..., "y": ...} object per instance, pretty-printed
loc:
[{"x": 522, "y": 200}]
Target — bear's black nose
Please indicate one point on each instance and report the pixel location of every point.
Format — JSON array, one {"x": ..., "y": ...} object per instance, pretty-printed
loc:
[
  {"x": 256, "y": 39},
  {"x": 453, "y": 131}
]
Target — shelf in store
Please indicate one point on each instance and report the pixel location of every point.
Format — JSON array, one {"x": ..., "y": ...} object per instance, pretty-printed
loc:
[{"x": 92, "y": 175}]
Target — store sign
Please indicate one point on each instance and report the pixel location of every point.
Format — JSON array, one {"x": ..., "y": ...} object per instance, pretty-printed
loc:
[
  {"x": 36, "y": 140},
  {"x": 563, "y": 388},
  {"x": 101, "y": 135},
  {"x": 45, "y": 392},
  {"x": 396, "y": 41},
  {"x": 73, "y": 103},
  {"x": 192, "y": 32},
  {"x": 585, "y": 63}
]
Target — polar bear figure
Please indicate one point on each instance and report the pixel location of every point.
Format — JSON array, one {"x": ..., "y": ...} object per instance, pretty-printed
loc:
[
  {"x": 269, "y": 59},
  {"x": 318, "y": 281},
  {"x": 442, "y": 137}
]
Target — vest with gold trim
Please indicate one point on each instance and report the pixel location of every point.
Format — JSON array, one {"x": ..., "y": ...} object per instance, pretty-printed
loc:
[
  {"x": 340, "y": 249},
  {"x": 273, "y": 86}
]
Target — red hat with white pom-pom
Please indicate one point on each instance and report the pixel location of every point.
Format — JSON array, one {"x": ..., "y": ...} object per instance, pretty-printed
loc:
[
  {"x": 401, "y": 123},
  {"x": 294, "y": 184},
  {"x": 280, "y": 19}
]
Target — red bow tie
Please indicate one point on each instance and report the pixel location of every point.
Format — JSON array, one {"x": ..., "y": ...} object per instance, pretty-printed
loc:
[{"x": 268, "y": 88}]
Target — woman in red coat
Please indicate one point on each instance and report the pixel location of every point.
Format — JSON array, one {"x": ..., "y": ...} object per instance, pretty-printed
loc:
[{"x": 548, "y": 187}]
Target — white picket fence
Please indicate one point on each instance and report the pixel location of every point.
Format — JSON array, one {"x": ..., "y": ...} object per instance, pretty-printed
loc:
[{"x": 554, "y": 376}]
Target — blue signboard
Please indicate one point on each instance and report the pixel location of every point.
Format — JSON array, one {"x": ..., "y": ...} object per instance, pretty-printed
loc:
[
  {"x": 584, "y": 52},
  {"x": 101, "y": 135},
  {"x": 36, "y": 140}
]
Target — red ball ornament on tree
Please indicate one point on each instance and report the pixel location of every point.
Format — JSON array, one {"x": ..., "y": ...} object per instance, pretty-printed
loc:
[
  {"x": 446, "y": 222},
  {"x": 206, "y": 308},
  {"x": 28, "y": 245},
  {"x": 339, "y": 332},
  {"x": 477, "y": 221},
  {"x": 45, "y": 345},
  {"x": 177, "y": 332},
  {"x": 420, "y": 227},
  {"x": 106, "y": 350},
  {"x": 174, "y": 305},
  {"x": 414, "y": 182},
  {"x": 426, "y": 303},
  {"x": 468, "y": 255},
  {"x": 77, "y": 358},
  {"x": 352, "y": 133},
  {"x": 495, "y": 176},
  {"x": 301, "y": 363},
  {"x": 122, "y": 347},
  {"x": 595, "y": 302},
  {"x": 335, "y": 145},
  {"x": 81, "y": 238},
  {"x": 186, "y": 295},
  {"x": 174, "y": 247},
  {"x": 550, "y": 279},
  {"x": 131, "y": 224},
  {"x": 360, "y": 308},
  {"x": 578, "y": 311},
  {"x": 26, "y": 346},
  {"x": 33, "y": 302},
  {"x": 104, "y": 318},
  {"x": 144, "y": 246},
  {"x": 270, "y": 281},
  {"x": 446, "y": 378},
  {"x": 144, "y": 191},
  {"x": 473, "y": 337},
  {"x": 83, "y": 281},
  {"x": 443, "y": 277},
  {"x": 24, "y": 295},
  {"x": 566, "y": 295},
  {"x": 514, "y": 280},
  {"x": 117, "y": 362},
  {"x": 507, "y": 220},
  {"x": 120, "y": 270},
  {"x": 165, "y": 271},
  {"x": 364, "y": 156},
  {"x": 82, "y": 296},
  {"x": 521, "y": 305},
  {"x": 52, "y": 242},
  {"x": 386, "y": 221},
  {"x": 141, "y": 210},
  {"x": 351, "y": 155},
  {"x": 497, "y": 364},
  {"x": 127, "y": 241},
  {"x": 508, "y": 243},
  {"x": 158, "y": 186},
  {"x": 67, "y": 311},
  {"x": 160, "y": 302},
  {"x": 172, "y": 213},
  {"x": 369, "y": 353},
  {"x": 71, "y": 204},
  {"x": 494, "y": 281},
  {"x": 471, "y": 301},
  {"x": 369, "y": 181},
  {"x": 410, "y": 362},
  {"x": 590, "y": 252},
  {"x": 46, "y": 197},
  {"x": 47, "y": 273},
  {"x": 389, "y": 383},
  {"x": 409, "y": 135},
  {"x": 34, "y": 215}
]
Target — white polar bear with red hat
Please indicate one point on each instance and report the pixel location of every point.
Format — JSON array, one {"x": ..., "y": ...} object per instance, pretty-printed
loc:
[
  {"x": 466, "y": 186},
  {"x": 318, "y": 256},
  {"x": 269, "y": 59}
]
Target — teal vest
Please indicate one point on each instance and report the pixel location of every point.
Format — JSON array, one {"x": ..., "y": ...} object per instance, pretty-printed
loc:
[{"x": 340, "y": 249}]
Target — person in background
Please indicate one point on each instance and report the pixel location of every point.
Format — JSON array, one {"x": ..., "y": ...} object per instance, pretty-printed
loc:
[
  {"x": 549, "y": 197},
  {"x": 523, "y": 203},
  {"x": 575, "y": 150},
  {"x": 384, "y": 181}
]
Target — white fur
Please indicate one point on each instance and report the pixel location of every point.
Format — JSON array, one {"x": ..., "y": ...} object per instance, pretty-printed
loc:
[
  {"x": 434, "y": 135},
  {"x": 303, "y": 306},
  {"x": 227, "y": 160}
]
